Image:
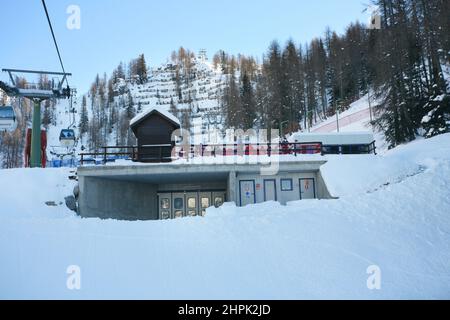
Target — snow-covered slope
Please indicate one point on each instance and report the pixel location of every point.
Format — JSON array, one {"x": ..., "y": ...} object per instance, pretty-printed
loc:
[
  {"x": 393, "y": 213},
  {"x": 203, "y": 90},
  {"x": 355, "y": 119}
]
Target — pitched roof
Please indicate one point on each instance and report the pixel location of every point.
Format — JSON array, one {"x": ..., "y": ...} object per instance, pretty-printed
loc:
[{"x": 150, "y": 111}]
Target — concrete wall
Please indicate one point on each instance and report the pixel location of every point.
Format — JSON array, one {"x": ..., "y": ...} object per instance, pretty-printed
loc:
[
  {"x": 282, "y": 196},
  {"x": 114, "y": 199},
  {"x": 322, "y": 190}
]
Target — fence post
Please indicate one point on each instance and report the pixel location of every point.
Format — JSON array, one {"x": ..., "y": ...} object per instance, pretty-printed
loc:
[{"x": 104, "y": 155}]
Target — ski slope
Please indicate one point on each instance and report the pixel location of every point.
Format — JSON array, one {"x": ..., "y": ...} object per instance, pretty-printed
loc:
[
  {"x": 393, "y": 213},
  {"x": 355, "y": 119}
]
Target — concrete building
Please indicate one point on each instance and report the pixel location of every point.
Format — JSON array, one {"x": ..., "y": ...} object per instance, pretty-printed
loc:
[{"x": 171, "y": 190}]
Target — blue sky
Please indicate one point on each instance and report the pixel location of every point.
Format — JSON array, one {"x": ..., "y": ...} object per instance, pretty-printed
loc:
[{"x": 117, "y": 30}]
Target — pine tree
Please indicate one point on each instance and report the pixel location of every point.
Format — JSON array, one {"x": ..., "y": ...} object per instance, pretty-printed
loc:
[
  {"x": 130, "y": 111},
  {"x": 272, "y": 70},
  {"x": 231, "y": 104},
  {"x": 292, "y": 66},
  {"x": 84, "y": 118},
  {"x": 141, "y": 69},
  {"x": 437, "y": 120},
  {"x": 247, "y": 103}
]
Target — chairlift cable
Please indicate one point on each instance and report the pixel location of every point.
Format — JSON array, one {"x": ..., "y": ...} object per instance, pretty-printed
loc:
[{"x": 54, "y": 39}]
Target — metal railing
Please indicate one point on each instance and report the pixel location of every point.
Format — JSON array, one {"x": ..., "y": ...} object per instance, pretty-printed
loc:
[
  {"x": 168, "y": 152},
  {"x": 247, "y": 149}
]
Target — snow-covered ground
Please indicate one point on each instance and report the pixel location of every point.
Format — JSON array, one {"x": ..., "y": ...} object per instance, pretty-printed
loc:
[{"x": 393, "y": 213}]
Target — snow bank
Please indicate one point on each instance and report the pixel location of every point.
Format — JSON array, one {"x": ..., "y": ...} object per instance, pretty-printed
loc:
[
  {"x": 354, "y": 174},
  {"x": 25, "y": 193},
  {"x": 308, "y": 249}
]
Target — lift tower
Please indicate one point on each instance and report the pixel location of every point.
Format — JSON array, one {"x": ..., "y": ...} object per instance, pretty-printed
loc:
[{"x": 36, "y": 94}]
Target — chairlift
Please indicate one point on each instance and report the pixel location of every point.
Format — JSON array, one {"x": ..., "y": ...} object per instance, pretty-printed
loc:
[
  {"x": 67, "y": 138},
  {"x": 8, "y": 121}
]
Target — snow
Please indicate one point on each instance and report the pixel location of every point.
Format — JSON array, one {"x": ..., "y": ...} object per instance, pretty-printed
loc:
[
  {"x": 353, "y": 137},
  {"x": 440, "y": 98},
  {"x": 393, "y": 212},
  {"x": 165, "y": 113}
]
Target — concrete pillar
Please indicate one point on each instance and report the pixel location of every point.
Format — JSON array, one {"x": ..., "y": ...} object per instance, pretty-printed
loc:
[{"x": 231, "y": 192}]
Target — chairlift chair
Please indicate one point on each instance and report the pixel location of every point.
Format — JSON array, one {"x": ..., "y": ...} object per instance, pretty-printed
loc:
[
  {"x": 67, "y": 138},
  {"x": 8, "y": 121}
]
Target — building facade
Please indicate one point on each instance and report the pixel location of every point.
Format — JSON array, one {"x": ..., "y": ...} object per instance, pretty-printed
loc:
[{"x": 169, "y": 190}]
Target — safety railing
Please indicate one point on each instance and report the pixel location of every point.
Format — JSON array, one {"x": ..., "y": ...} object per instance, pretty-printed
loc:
[{"x": 168, "y": 152}]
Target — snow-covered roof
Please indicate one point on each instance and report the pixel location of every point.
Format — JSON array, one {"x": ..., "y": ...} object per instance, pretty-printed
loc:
[
  {"x": 149, "y": 111},
  {"x": 346, "y": 138}
]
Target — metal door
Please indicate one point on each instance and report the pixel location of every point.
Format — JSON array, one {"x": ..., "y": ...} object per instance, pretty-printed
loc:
[
  {"x": 192, "y": 204},
  {"x": 178, "y": 205},
  {"x": 218, "y": 199},
  {"x": 307, "y": 189},
  {"x": 247, "y": 192},
  {"x": 270, "y": 190},
  {"x": 205, "y": 202},
  {"x": 165, "y": 206}
]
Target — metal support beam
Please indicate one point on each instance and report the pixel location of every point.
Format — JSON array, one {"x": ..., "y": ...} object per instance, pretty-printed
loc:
[
  {"x": 36, "y": 152},
  {"x": 37, "y": 72}
]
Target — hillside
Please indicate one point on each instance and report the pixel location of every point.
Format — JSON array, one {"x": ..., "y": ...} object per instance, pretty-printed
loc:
[
  {"x": 195, "y": 98},
  {"x": 319, "y": 249}
]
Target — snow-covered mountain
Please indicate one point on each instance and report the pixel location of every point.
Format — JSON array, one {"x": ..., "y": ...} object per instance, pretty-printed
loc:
[
  {"x": 194, "y": 96},
  {"x": 203, "y": 91}
]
